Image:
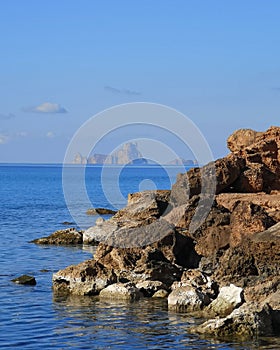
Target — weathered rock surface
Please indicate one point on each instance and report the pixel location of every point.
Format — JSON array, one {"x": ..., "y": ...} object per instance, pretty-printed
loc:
[
  {"x": 248, "y": 321},
  {"x": 187, "y": 299},
  {"x": 229, "y": 298},
  {"x": 25, "y": 279},
  {"x": 86, "y": 278},
  {"x": 100, "y": 211},
  {"x": 195, "y": 244},
  {"x": 68, "y": 236},
  {"x": 149, "y": 288},
  {"x": 121, "y": 291}
]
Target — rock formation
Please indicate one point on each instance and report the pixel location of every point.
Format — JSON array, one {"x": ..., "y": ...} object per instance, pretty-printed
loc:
[
  {"x": 227, "y": 264},
  {"x": 127, "y": 154}
]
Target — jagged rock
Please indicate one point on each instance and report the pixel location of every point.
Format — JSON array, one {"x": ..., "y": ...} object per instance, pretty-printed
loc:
[
  {"x": 256, "y": 255},
  {"x": 198, "y": 280},
  {"x": 149, "y": 288},
  {"x": 143, "y": 210},
  {"x": 86, "y": 278},
  {"x": 68, "y": 236},
  {"x": 262, "y": 157},
  {"x": 268, "y": 202},
  {"x": 25, "y": 279},
  {"x": 187, "y": 299},
  {"x": 248, "y": 321},
  {"x": 242, "y": 138},
  {"x": 121, "y": 291},
  {"x": 229, "y": 298},
  {"x": 100, "y": 211}
]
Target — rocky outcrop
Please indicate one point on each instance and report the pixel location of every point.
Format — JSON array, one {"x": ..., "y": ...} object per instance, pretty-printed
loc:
[
  {"x": 25, "y": 279},
  {"x": 70, "y": 236},
  {"x": 100, "y": 211},
  {"x": 218, "y": 226},
  {"x": 229, "y": 298},
  {"x": 248, "y": 321},
  {"x": 121, "y": 291}
]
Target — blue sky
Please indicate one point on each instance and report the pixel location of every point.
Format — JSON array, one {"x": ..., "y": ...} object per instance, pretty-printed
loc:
[{"x": 218, "y": 62}]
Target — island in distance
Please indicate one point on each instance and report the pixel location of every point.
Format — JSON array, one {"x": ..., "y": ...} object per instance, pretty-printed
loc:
[{"x": 127, "y": 154}]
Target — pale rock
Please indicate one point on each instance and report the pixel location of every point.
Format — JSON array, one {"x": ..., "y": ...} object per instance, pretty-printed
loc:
[
  {"x": 248, "y": 321},
  {"x": 229, "y": 298},
  {"x": 187, "y": 299},
  {"x": 121, "y": 291}
]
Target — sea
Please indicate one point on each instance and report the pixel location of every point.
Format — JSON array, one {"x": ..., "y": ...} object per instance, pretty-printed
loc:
[{"x": 33, "y": 205}]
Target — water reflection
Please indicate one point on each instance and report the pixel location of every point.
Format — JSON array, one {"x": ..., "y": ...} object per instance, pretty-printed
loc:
[{"x": 146, "y": 324}]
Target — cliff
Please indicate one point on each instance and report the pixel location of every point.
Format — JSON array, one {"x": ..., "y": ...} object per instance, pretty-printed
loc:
[{"x": 227, "y": 267}]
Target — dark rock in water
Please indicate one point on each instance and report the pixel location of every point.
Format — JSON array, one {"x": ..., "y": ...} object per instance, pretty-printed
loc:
[
  {"x": 67, "y": 223},
  {"x": 25, "y": 279},
  {"x": 68, "y": 236},
  {"x": 100, "y": 211}
]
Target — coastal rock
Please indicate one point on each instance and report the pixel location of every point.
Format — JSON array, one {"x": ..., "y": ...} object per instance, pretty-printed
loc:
[
  {"x": 86, "y": 278},
  {"x": 100, "y": 211},
  {"x": 25, "y": 279},
  {"x": 121, "y": 291},
  {"x": 262, "y": 158},
  {"x": 187, "y": 299},
  {"x": 256, "y": 255},
  {"x": 143, "y": 210},
  {"x": 229, "y": 298},
  {"x": 242, "y": 138},
  {"x": 248, "y": 321},
  {"x": 69, "y": 236},
  {"x": 270, "y": 203},
  {"x": 161, "y": 293},
  {"x": 149, "y": 288},
  {"x": 198, "y": 280}
]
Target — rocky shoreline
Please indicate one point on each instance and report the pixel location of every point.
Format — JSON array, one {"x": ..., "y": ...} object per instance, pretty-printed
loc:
[{"x": 226, "y": 270}]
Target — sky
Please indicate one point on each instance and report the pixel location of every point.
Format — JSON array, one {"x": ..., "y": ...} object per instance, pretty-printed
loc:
[{"x": 217, "y": 62}]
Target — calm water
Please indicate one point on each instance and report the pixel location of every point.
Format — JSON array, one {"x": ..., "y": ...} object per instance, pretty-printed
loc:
[{"x": 32, "y": 205}]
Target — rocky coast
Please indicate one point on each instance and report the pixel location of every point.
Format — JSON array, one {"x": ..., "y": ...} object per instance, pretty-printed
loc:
[{"x": 225, "y": 268}]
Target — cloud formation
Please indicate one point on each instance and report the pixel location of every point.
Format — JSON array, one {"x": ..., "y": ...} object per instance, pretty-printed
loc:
[
  {"x": 3, "y": 139},
  {"x": 6, "y": 116},
  {"x": 50, "y": 134},
  {"x": 46, "y": 107},
  {"x": 121, "y": 91}
]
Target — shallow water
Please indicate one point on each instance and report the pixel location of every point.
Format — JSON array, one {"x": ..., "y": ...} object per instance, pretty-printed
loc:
[{"x": 32, "y": 205}]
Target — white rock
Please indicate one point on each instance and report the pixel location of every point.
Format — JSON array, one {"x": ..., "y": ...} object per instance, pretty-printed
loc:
[
  {"x": 187, "y": 299},
  {"x": 229, "y": 298},
  {"x": 121, "y": 291}
]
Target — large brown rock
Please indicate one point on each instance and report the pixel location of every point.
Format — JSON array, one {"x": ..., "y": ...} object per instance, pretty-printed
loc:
[
  {"x": 261, "y": 152},
  {"x": 242, "y": 138}
]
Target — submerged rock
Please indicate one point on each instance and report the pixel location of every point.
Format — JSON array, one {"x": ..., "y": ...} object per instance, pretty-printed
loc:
[{"x": 25, "y": 279}]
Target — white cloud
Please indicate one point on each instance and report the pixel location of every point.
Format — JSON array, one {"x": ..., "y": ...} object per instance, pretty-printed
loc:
[
  {"x": 3, "y": 139},
  {"x": 50, "y": 134},
  {"x": 21, "y": 134},
  {"x": 46, "y": 107}
]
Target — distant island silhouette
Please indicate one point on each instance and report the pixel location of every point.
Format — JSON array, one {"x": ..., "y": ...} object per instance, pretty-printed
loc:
[{"x": 128, "y": 154}]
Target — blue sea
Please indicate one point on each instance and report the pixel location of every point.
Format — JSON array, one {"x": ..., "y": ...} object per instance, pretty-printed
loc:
[{"x": 33, "y": 205}]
